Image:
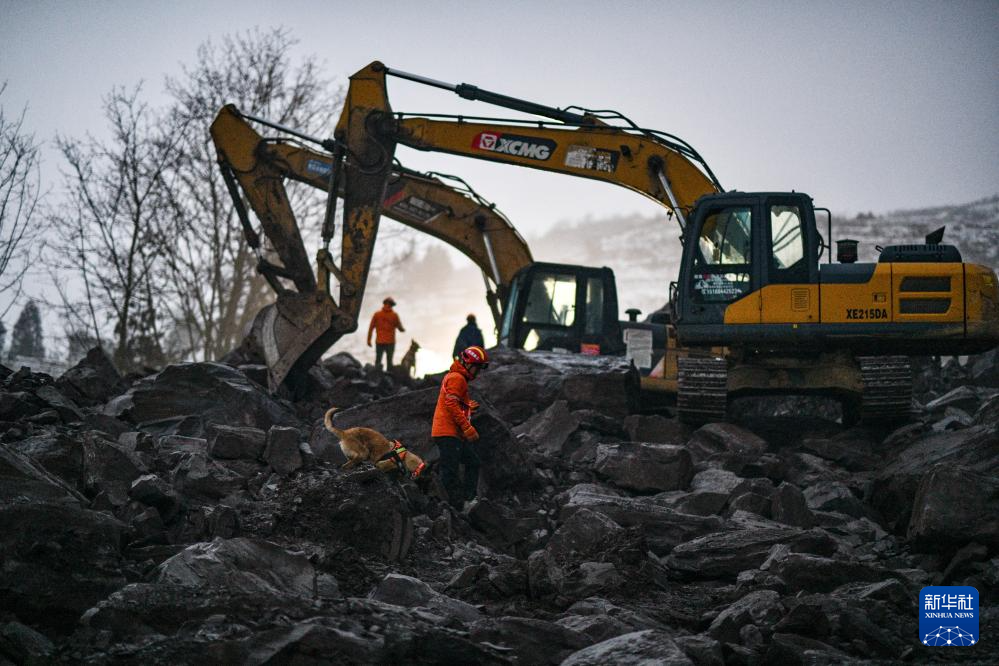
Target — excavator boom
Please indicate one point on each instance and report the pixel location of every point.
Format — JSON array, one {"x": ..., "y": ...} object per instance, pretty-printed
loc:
[
  {"x": 305, "y": 321},
  {"x": 655, "y": 164}
]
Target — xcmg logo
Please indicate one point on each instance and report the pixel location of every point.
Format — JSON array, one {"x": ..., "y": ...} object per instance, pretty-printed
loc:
[{"x": 511, "y": 144}]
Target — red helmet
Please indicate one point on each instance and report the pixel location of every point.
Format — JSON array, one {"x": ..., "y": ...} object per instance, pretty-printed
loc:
[{"x": 475, "y": 356}]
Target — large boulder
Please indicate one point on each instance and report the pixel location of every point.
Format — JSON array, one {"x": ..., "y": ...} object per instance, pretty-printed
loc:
[
  {"x": 58, "y": 453},
  {"x": 760, "y": 608},
  {"x": 663, "y": 526},
  {"x": 246, "y": 566},
  {"x": 411, "y": 592},
  {"x": 893, "y": 490},
  {"x": 235, "y": 442},
  {"x": 635, "y": 649},
  {"x": 59, "y": 559},
  {"x": 531, "y": 641},
  {"x": 549, "y": 430},
  {"x": 724, "y": 442},
  {"x": 644, "y": 468},
  {"x": 92, "y": 381},
  {"x": 954, "y": 506},
  {"x": 186, "y": 398},
  {"x": 522, "y": 383},
  {"x": 726, "y": 554}
]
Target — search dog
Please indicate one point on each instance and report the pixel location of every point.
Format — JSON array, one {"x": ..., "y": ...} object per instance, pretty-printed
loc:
[
  {"x": 407, "y": 365},
  {"x": 360, "y": 444}
]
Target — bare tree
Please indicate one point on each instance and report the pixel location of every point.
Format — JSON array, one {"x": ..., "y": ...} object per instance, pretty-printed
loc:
[
  {"x": 19, "y": 197},
  {"x": 106, "y": 228},
  {"x": 214, "y": 288}
]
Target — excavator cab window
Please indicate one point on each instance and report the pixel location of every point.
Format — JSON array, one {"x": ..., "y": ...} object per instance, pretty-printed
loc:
[
  {"x": 594, "y": 307},
  {"x": 550, "y": 312},
  {"x": 787, "y": 243},
  {"x": 723, "y": 256}
]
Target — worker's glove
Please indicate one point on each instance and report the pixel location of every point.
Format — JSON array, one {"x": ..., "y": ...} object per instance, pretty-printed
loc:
[
  {"x": 470, "y": 433},
  {"x": 472, "y": 406},
  {"x": 369, "y": 343}
]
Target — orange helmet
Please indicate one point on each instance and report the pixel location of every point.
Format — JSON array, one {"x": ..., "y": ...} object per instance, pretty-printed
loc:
[{"x": 475, "y": 356}]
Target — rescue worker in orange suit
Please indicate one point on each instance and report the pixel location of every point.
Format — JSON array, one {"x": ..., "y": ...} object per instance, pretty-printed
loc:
[
  {"x": 385, "y": 323},
  {"x": 453, "y": 432}
]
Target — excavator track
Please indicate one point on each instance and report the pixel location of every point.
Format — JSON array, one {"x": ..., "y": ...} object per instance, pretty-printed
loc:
[
  {"x": 887, "y": 388},
  {"x": 702, "y": 390}
]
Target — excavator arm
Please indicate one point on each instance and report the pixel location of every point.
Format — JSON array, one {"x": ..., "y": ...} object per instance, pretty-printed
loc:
[
  {"x": 303, "y": 323},
  {"x": 657, "y": 165}
]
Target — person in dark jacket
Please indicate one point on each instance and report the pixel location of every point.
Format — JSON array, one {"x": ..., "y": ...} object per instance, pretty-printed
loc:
[{"x": 469, "y": 336}]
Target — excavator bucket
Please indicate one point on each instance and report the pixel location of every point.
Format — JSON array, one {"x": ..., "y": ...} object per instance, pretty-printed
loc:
[{"x": 293, "y": 333}]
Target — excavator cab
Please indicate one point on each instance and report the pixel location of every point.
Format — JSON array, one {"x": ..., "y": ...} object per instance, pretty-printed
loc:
[
  {"x": 736, "y": 245},
  {"x": 562, "y": 307}
]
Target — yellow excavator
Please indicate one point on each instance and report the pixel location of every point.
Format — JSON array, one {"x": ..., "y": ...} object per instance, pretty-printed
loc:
[{"x": 753, "y": 310}]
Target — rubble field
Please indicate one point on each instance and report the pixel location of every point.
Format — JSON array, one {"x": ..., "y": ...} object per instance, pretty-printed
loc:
[{"x": 188, "y": 516}]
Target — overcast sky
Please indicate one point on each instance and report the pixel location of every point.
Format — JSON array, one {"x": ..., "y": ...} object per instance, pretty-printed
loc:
[{"x": 864, "y": 105}]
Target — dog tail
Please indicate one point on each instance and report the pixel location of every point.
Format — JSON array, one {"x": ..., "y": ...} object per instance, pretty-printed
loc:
[{"x": 328, "y": 421}]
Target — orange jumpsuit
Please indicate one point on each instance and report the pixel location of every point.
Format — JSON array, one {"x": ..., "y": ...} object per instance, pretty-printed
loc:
[
  {"x": 384, "y": 323},
  {"x": 454, "y": 435}
]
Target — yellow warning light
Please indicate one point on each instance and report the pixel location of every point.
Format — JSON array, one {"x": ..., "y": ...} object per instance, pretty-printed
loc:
[{"x": 880, "y": 298}]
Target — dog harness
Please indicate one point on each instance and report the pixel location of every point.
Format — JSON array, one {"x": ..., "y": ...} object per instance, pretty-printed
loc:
[{"x": 398, "y": 454}]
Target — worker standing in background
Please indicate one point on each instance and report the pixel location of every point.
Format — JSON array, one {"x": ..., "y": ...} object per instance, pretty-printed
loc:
[
  {"x": 385, "y": 323},
  {"x": 469, "y": 336}
]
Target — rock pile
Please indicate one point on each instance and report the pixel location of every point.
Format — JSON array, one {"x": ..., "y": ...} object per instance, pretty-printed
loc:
[{"x": 190, "y": 517}]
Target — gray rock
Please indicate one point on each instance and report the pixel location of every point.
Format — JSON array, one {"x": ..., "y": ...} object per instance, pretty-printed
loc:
[
  {"x": 790, "y": 507},
  {"x": 200, "y": 477},
  {"x": 794, "y": 649},
  {"x": 704, "y": 650},
  {"x": 185, "y": 398},
  {"x": 724, "y": 441},
  {"x": 242, "y": 565},
  {"x": 229, "y": 442},
  {"x": 645, "y": 468},
  {"x": 532, "y": 641},
  {"x": 966, "y": 398},
  {"x": 761, "y": 608},
  {"x": 664, "y": 526},
  {"x": 893, "y": 490},
  {"x": 59, "y": 559},
  {"x": 812, "y": 573},
  {"x": 411, "y": 592},
  {"x": 656, "y": 429},
  {"x": 152, "y": 491},
  {"x": 596, "y": 628},
  {"x": 506, "y": 526},
  {"x": 953, "y": 506},
  {"x": 752, "y": 503},
  {"x": 24, "y": 644},
  {"x": 55, "y": 452},
  {"x": 635, "y": 649},
  {"x": 92, "y": 381},
  {"x": 281, "y": 452},
  {"x": 725, "y": 554},
  {"x": 109, "y": 468},
  {"x": 834, "y": 497},
  {"x": 550, "y": 429}
]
